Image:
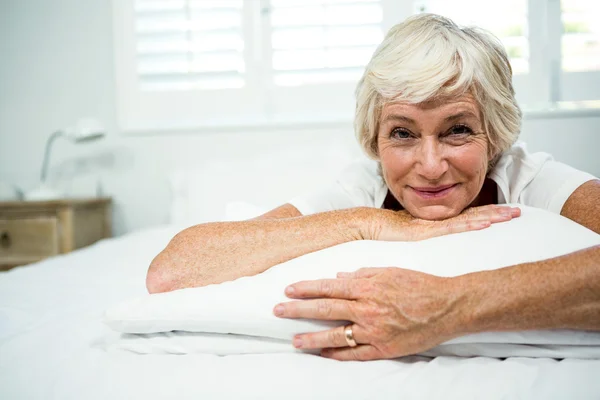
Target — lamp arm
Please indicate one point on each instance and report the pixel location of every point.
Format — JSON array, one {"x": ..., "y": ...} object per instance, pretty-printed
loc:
[{"x": 49, "y": 142}]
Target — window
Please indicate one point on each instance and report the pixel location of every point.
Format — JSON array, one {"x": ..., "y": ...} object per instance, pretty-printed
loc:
[
  {"x": 189, "y": 45},
  {"x": 581, "y": 35},
  {"x": 579, "y": 50},
  {"x": 204, "y": 63},
  {"x": 319, "y": 41},
  {"x": 317, "y": 51}
]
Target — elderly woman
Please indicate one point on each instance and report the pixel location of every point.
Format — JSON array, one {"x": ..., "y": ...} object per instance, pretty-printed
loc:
[{"x": 436, "y": 110}]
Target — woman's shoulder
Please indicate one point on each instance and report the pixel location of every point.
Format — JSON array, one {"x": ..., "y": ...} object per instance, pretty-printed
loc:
[
  {"x": 535, "y": 179},
  {"x": 518, "y": 155},
  {"x": 517, "y": 164}
]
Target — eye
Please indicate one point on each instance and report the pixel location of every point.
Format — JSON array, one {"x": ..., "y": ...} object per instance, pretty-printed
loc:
[
  {"x": 460, "y": 130},
  {"x": 400, "y": 133}
]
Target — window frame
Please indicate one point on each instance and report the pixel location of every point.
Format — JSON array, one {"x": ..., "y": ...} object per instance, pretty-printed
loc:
[{"x": 261, "y": 103}]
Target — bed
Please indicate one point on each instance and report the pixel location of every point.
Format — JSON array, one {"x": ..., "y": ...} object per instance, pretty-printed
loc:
[{"x": 54, "y": 344}]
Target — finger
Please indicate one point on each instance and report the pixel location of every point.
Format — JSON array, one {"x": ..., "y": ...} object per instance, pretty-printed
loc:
[
  {"x": 457, "y": 226},
  {"x": 324, "y": 309},
  {"x": 363, "y": 352},
  {"x": 361, "y": 273},
  {"x": 335, "y": 337},
  {"x": 491, "y": 215},
  {"x": 503, "y": 213},
  {"x": 328, "y": 288},
  {"x": 495, "y": 213},
  {"x": 448, "y": 227}
]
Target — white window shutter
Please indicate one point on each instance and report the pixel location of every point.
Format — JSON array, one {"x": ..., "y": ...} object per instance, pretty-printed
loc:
[
  {"x": 184, "y": 63},
  {"x": 319, "y": 49},
  {"x": 323, "y": 41},
  {"x": 187, "y": 44}
]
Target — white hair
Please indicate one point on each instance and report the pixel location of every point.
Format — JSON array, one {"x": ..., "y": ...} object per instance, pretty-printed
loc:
[{"x": 428, "y": 57}]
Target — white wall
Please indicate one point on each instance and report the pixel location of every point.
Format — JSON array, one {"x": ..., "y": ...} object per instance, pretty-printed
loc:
[{"x": 57, "y": 65}]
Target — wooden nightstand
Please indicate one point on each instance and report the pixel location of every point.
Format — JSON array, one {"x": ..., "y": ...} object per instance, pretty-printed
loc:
[{"x": 33, "y": 230}]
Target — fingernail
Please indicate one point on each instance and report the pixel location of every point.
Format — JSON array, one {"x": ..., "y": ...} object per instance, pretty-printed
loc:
[
  {"x": 484, "y": 224},
  {"x": 506, "y": 213},
  {"x": 278, "y": 310},
  {"x": 289, "y": 290},
  {"x": 297, "y": 342}
]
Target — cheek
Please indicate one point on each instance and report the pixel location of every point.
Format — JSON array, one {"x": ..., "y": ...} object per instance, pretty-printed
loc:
[
  {"x": 472, "y": 160},
  {"x": 395, "y": 163}
]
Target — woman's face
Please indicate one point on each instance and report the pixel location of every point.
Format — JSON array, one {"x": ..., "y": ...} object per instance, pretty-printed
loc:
[{"x": 433, "y": 155}]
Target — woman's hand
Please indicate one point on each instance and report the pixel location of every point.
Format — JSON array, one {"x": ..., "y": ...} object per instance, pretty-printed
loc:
[
  {"x": 401, "y": 226},
  {"x": 394, "y": 312}
]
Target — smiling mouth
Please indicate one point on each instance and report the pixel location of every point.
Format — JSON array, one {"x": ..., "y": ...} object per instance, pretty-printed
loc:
[{"x": 433, "y": 192}]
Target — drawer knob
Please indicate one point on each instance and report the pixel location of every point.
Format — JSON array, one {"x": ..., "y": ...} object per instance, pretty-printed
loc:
[{"x": 5, "y": 240}]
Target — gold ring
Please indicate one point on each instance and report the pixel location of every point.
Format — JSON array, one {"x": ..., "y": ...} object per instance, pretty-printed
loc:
[{"x": 349, "y": 336}]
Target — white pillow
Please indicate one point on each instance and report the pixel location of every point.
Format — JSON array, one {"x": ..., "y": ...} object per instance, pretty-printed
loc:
[{"x": 244, "y": 306}]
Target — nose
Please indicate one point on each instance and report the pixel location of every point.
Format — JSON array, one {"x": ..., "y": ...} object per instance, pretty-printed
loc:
[{"x": 431, "y": 162}]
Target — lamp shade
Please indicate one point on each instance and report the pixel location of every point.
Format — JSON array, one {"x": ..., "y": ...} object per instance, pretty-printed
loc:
[{"x": 85, "y": 130}]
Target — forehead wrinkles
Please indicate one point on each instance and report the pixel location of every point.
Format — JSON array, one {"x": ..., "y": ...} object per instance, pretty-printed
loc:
[{"x": 438, "y": 109}]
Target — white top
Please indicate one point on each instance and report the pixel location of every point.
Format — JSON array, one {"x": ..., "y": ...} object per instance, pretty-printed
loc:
[{"x": 531, "y": 179}]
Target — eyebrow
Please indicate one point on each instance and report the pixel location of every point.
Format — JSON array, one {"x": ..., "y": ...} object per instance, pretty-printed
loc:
[
  {"x": 397, "y": 117},
  {"x": 460, "y": 115},
  {"x": 402, "y": 118}
]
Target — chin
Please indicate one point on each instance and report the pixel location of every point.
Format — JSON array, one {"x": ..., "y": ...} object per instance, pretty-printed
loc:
[{"x": 434, "y": 212}]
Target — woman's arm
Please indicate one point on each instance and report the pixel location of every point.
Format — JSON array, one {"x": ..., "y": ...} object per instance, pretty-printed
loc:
[
  {"x": 217, "y": 252},
  {"x": 397, "y": 312},
  {"x": 562, "y": 292},
  {"x": 222, "y": 251}
]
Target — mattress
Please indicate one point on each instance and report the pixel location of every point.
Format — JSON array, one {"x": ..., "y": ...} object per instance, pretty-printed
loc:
[{"x": 53, "y": 345}]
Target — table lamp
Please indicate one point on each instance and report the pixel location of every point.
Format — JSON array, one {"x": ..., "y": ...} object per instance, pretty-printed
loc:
[{"x": 85, "y": 130}]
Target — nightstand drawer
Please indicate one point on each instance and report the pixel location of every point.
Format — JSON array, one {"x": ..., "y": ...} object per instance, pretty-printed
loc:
[
  {"x": 33, "y": 230},
  {"x": 28, "y": 238}
]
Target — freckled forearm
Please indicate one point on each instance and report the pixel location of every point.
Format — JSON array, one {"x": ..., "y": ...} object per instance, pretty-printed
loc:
[
  {"x": 222, "y": 251},
  {"x": 562, "y": 292}
]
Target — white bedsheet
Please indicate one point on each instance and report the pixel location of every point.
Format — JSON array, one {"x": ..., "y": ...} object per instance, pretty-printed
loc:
[{"x": 53, "y": 346}]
